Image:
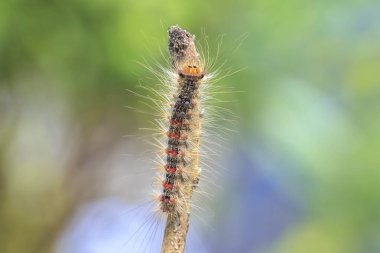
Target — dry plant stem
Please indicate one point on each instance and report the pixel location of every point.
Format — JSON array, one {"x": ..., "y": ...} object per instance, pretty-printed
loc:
[
  {"x": 182, "y": 47},
  {"x": 182, "y": 51}
]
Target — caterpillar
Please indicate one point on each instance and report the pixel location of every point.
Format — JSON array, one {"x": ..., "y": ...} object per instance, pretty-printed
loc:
[
  {"x": 181, "y": 169},
  {"x": 180, "y": 102}
]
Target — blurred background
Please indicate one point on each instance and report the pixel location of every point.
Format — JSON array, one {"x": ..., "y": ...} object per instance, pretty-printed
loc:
[{"x": 302, "y": 167}]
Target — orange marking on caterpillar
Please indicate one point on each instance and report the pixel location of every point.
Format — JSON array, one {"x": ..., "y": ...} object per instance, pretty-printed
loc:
[
  {"x": 173, "y": 136},
  {"x": 171, "y": 152},
  {"x": 192, "y": 72},
  {"x": 167, "y": 186},
  {"x": 171, "y": 170},
  {"x": 175, "y": 122}
]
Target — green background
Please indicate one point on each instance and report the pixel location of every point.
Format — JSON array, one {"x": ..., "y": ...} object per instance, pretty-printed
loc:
[{"x": 310, "y": 98}]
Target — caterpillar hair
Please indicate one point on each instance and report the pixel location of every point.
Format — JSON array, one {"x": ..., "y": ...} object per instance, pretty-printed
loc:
[{"x": 180, "y": 102}]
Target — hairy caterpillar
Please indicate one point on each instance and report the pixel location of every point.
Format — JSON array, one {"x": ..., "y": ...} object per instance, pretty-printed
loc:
[
  {"x": 180, "y": 103},
  {"x": 181, "y": 168}
]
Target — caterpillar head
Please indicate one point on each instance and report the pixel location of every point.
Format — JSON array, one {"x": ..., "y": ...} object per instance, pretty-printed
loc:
[{"x": 191, "y": 71}]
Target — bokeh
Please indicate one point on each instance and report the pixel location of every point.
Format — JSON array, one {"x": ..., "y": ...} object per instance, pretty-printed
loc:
[{"x": 301, "y": 168}]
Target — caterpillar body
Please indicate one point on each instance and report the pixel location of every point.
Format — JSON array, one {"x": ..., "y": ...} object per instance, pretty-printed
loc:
[{"x": 181, "y": 168}]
